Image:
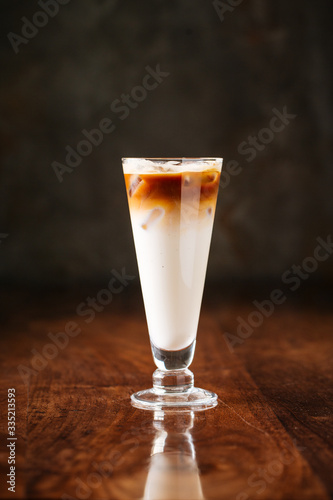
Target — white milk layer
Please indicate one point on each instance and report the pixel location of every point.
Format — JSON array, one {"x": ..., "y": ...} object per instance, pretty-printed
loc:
[{"x": 172, "y": 262}]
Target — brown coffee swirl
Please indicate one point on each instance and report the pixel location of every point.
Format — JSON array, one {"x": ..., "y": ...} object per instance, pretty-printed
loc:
[{"x": 173, "y": 192}]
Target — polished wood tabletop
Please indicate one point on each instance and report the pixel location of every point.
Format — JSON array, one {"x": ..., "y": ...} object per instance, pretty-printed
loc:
[{"x": 79, "y": 437}]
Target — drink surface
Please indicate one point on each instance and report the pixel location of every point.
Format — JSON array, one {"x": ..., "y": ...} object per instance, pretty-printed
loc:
[
  {"x": 172, "y": 197},
  {"x": 172, "y": 215}
]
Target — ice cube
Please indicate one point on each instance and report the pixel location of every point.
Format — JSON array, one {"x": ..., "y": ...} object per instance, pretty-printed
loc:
[
  {"x": 208, "y": 178},
  {"x": 153, "y": 217},
  {"x": 187, "y": 180},
  {"x": 134, "y": 184},
  {"x": 170, "y": 166}
]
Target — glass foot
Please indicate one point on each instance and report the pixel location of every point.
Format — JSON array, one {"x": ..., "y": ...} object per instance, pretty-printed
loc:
[{"x": 174, "y": 390}]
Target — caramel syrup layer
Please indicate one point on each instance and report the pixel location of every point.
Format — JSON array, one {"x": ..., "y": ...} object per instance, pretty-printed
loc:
[{"x": 171, "y": 190}]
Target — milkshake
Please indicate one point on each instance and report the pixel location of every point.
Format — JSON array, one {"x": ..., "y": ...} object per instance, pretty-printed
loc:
[{"x": 172, "y": 206}]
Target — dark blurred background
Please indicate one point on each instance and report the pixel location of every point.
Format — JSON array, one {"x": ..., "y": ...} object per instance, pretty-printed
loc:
[{"x": 228, "y": 68}]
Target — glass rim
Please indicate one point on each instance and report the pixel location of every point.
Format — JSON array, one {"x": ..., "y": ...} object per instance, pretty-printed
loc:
[
  {"x": 132, "y": 165},
  {"x": 180, "y": 159}
]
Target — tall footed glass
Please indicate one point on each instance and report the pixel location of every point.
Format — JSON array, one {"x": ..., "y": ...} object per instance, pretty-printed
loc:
[{"x": 172, "y": 205}]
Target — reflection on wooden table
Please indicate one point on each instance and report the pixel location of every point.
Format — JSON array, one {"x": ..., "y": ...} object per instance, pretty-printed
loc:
[
  {"x": 173, "y": 469},
  {"x": 78, "y": 437}
]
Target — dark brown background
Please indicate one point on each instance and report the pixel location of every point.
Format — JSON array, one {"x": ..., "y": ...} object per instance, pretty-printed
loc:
[
  {"x": 275, "y": 386},
  {"x": 225, "y": 79}
]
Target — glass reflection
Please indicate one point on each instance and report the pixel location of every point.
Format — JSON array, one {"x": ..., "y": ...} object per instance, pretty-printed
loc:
[{"x": 173, "y": 470}]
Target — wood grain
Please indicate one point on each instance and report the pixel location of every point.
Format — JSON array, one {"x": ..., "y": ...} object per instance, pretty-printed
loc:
[{"x": 79, "y": 437}]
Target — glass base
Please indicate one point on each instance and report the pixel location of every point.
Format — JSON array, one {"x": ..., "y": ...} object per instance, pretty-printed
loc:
[{"x": 174, "y": 390}]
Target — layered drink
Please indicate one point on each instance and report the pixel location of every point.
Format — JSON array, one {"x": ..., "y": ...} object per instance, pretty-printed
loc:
[{"x": 172, "y": 206}]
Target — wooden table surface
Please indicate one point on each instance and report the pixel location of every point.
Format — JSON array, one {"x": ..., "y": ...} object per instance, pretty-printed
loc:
[{"x": 270, "y": 437}]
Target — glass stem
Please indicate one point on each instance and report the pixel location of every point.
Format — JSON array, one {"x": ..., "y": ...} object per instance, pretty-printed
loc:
[{"x": 173, "y": 381}]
